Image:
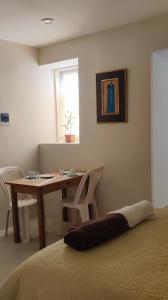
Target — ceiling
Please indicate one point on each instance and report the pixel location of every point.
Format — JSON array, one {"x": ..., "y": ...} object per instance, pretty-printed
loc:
[{"x": 20, "y": 19}]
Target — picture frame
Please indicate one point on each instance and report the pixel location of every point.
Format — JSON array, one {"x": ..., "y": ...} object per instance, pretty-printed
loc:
[{"x": 111, "y": 92}]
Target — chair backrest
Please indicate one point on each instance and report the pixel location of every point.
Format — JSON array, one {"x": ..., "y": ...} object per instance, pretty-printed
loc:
[
  {"x": 9, "y": 173},
  {"x": 91, "y": 178},
  {"x": 95, "y": 175}
]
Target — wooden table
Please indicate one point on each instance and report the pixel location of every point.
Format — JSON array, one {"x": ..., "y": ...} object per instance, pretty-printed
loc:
[{"x": 38, "y": 187}]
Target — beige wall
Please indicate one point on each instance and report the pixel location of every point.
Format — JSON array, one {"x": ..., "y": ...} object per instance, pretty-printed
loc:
[
  {"x": 124, "y": 149},
  {"x": 26, "y": 92}
]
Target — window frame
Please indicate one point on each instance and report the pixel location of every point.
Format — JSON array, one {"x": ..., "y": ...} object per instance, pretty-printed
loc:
[{"x": 57, "y": 83}]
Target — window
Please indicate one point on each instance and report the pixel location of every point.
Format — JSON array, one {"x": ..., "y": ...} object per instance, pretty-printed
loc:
[{"x": 67, "y": 102}]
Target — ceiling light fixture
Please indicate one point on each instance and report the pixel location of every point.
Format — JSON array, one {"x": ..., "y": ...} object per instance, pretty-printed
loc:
[{"x": 48, "y": 20}]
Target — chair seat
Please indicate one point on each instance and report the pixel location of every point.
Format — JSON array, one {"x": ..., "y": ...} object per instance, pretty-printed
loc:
[
  {"x": 68, "y": 202},
  {"x": 25, "y": 202}
]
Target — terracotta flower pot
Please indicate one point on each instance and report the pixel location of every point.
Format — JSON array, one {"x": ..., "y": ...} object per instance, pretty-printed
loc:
[{"x": 70, "y": 138}]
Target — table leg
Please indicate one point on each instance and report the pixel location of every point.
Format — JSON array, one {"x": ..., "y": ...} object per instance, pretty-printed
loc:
[
  {"x": 41, "y": 219},
  {"x": 64, "y": 193},
  {"x": 65, "y": 210},
  {"x": 15, "y": 215}
]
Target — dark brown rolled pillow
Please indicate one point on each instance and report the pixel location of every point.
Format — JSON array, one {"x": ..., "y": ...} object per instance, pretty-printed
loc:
[{"x": 93, "y": 233}]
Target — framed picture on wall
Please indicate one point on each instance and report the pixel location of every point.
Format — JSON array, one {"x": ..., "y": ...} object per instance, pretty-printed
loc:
[{"x": 111, "y": 96}]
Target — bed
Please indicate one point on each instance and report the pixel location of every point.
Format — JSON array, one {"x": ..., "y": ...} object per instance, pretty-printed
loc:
[{"x": 131, "y": 266}]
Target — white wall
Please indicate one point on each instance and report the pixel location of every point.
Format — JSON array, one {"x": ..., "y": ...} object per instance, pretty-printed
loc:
[
  {"x": 124, "y": 149},
  {"x": 26, "y": 93},
  {"x": 159, "y": 112}
]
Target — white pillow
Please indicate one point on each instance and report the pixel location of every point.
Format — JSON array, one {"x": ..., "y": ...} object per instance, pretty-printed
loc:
[{"x": 136, "y": 213}]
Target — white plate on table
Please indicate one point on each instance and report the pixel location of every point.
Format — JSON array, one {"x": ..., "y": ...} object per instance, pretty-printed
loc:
[
  {"x": 66, "y": 172},
  {"x": 72, "y": 175},
  {"x": 31, "y": 178},
  {"x": 47, "y": 176}
]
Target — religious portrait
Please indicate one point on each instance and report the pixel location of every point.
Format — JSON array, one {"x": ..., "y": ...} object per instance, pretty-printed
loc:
[{"x": 111, "y": 96}]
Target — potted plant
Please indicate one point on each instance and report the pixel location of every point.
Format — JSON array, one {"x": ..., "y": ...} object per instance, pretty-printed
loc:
[{"x": 69, "y": 121}]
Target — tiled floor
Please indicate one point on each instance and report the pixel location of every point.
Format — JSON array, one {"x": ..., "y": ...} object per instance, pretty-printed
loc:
[{"x": 12, "y": 254}]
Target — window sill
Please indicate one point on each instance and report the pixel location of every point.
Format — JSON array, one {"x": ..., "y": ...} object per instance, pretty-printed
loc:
[
  {"x": 57, "y": 143},
  {"x": 62, "y": 143}
]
